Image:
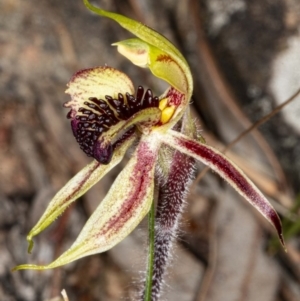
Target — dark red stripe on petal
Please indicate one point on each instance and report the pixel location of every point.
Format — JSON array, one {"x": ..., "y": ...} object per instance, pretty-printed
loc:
[
  {"x": 276, "y": 222},
  {"x": 141, "y": 179},
  {"x": 230, "y": 173},
  {"x": 81, "y": 183}
]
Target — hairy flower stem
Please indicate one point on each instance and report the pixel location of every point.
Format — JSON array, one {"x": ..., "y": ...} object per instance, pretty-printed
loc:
[
  {"x": 151, "y": 223},
  {"x": 170, "y": 204}
]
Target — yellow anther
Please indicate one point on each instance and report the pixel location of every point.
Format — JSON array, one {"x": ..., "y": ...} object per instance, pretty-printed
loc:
[
  {"x": 167, "y": 114},
  {"x": 163, "y": 103}
]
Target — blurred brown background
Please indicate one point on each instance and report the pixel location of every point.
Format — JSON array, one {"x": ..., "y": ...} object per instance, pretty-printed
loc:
[{"x": 245, "y": 59}]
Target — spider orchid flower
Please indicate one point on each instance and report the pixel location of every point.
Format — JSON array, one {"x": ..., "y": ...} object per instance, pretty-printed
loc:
[{"x": 108, "y": 116}]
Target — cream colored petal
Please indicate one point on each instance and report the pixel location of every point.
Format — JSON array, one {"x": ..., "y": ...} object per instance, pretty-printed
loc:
[
  {"x": 76, "y": 187},
  {"x": 125, "y": 205},
  {"x": 227, "y": 170}
]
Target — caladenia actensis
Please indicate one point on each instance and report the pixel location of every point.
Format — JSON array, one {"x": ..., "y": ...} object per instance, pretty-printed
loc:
[{"x": 108, "y": 116}]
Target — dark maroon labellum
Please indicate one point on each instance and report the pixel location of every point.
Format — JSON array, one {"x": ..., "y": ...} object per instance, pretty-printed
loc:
[{"x": 99, "y": 115}]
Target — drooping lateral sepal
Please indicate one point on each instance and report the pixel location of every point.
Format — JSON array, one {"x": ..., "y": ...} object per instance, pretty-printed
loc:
[
  {"x": 78, "y": 185},
  {"x": 125, "y": 205},
  {"x": 227, "y": 170}
]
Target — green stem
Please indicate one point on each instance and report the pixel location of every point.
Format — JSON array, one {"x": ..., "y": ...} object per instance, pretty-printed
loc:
[{"x": 151, "y": 223}]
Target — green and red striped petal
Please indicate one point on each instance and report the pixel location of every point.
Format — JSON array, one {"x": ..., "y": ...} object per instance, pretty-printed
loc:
[
  {"x": 78, "y": 185},
  {"x": 125, "y": 205},
  {"x": 227, "y": 170}
]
